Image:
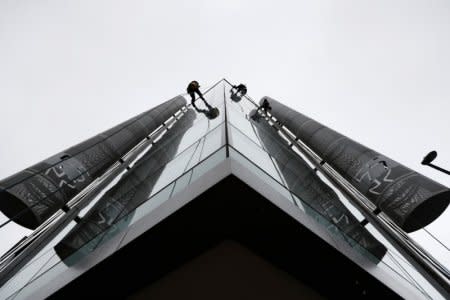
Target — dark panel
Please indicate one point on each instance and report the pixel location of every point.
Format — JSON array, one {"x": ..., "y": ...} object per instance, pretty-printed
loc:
[
  {"x": 322, "y": 200},
  {"x": 116, "y": 207},
  {"x": 410, "y": 199},
  {"x": 227, "y": 271},
  {"x": 34, "y": 194}
]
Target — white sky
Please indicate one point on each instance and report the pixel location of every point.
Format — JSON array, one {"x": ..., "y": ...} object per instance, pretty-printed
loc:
[{"x": 376, "y": 71}]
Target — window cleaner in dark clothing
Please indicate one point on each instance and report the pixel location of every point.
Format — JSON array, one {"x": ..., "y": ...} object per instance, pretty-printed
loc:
[
  {"x": 192, "y": 89},
  {"x": 240, "y": 89},
  {"x": 237, "y": 92},
  {"x": 265, "y": 106}
]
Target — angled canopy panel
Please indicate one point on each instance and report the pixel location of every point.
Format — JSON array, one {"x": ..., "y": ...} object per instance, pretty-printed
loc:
[
  {"x": 31, "y": 196},
  {"x": 408, "y": 198}
]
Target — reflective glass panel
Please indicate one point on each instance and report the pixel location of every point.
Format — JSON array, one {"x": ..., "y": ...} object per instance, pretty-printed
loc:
[
  {"x": 249, "y": 149},
  {"x": 55, "y": 268}
]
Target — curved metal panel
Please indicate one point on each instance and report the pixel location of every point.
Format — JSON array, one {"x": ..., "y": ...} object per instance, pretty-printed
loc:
[
  {"x": 410, "y": 199},
  {"x": 31, "y": 196},
  {"x": 307, "y": 185},
  {"x": 116, "y": 207}
]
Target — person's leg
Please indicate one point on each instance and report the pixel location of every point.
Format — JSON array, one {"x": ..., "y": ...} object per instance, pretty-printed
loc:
[
  {"x": 193, "y": 100},
  {"x": 201, "y": 97}
]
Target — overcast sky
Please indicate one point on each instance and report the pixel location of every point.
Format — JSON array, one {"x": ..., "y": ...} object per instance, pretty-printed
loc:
[{"x": 376, "y": 71}]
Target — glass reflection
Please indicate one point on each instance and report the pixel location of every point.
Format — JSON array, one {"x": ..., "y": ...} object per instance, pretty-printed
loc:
[
  {"x": 305, "y": 183},
  {"x": 54, "y": 268},
  {"x": 251, "y": 150},
  {"x": 134, "y": 188}
]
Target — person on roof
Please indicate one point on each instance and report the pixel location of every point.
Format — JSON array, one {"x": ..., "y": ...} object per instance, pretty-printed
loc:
[
  {"x": 265, "y": 105},
  {"x": 240, "y": 89},
  {"x": 192, "y": 89}
]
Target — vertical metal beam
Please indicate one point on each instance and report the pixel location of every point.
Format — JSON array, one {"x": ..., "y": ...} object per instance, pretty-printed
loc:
[{"x": 227, "y": 142}]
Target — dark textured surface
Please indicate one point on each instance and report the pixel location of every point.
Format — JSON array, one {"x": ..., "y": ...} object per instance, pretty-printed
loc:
[
  {"x": 33, "y": 195},
  {"x": 410, "y": 199}
]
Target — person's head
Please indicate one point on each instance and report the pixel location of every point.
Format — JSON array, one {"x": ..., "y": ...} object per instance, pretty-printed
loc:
[
  {"x": 195, "y": 83},
  {"x": 266, "y": 105}
]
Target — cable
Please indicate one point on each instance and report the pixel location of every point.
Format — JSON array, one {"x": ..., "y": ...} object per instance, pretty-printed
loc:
[
  {"x": 436, "y": 239},
  {"x": 411, "y": 278}
]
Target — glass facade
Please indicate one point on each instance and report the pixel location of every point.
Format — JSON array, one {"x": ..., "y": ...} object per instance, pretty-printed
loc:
[{"x": 195, "y": 144}]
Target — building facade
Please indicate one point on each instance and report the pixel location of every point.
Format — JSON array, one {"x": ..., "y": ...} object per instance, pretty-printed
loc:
[{"x": 253, "y": 203}]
